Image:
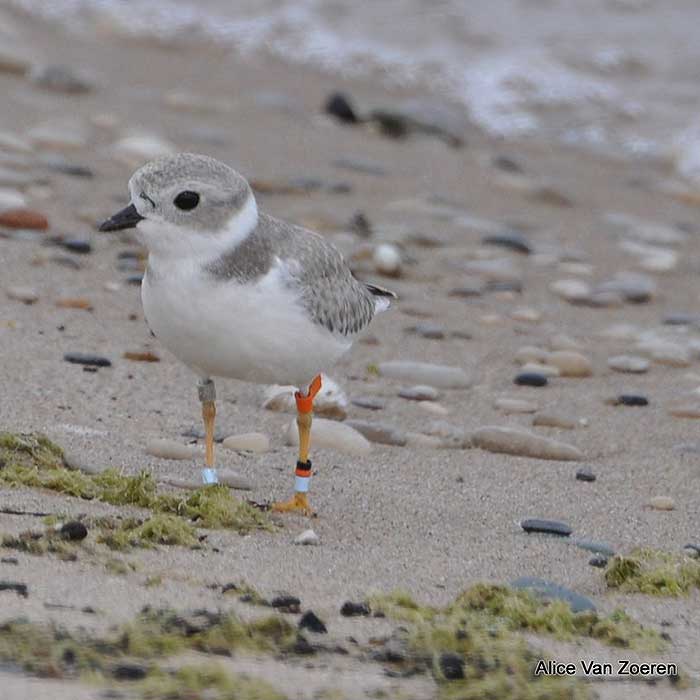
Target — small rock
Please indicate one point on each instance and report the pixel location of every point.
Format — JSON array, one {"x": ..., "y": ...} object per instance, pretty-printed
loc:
[
  {"x": 521, "y": 443},
  {"x": 334, "y": 435},
  {"x": 662, "y": 503},
  {"x": 170, "y": 449},
  {"x": 572, "y": 290},
  {"x": 570, "y": 363},
  {"x": 310, "y": 621},
  {"x": 419, "y": 392},
  {"x": 23, "y": 219},
  {"x": 585, "y": 474},
  {"x": 129, "y": 671},
  {"x": 350, "y": 609},
  {"x": 59, "y": 135},
  {"x": 137, "y": 149},
  {"x": 692, "y": 550},
  {"x": 507, "y": 405},
  {"x": 308, "y": 537},
  {"x": 549, "y": 590},
  {"x": 286, "y": 603},
  {"x": 234, "y": 480},
  {"x": 358, "y": 165},
  {"x": 595, "y": 547},
  {"x": 251, "y": 442},
  {"x": 440, "y": 376},
  {"x": 423, "y": 442},
  {"x": 554, "y": 420},
  {"x": 686, "y": 407},
  {"x": 379, "y": 432},
  {"x": 665, "y": 352},
  {"x": 529, "y": 354},
  {"x": 549, "y": 527},
  {"x": 77, "y": 246},
  {"x": 599, "y": 561},
  {"x": 628, "y": 363},
  {"x": 62, "y": 79},
  {"x": 141, "y": 356},
  {"x": 14, "y": 58},
  {"x": 18, "y": 588},
  {"x": 526, "y": 315},
  {"x": 340, "y": 107},
  {"x": 432, "y": 331},
  {"x": 387, "y": 260},
  {"x": 630, "y": 400},
  {"x": 372, "y": 403},
  {"x": 433, "y": 407},
  {"x": 27, "y": 295},
  {"x": 545, "y": 370},
  {"x": 330, "y": 402},
  {"x": 82, "y": 358},
  {"x": 74, "y": 530},
  {"x": 530, "y": 379},
  {"x": 634, "y": 287},
  {"x": 11, "y": 199},
  {"x": 511, "y": 240},
  {"x": 451, "y": 665},
  {"x": 9, "y": 560}
]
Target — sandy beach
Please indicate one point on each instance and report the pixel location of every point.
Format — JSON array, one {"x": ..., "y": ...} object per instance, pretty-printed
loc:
[{"x": 510, "y": 252}]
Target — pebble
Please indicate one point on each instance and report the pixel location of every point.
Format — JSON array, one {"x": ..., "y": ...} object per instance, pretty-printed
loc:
[
  {"x": 526, "y": 315},
  {"x": 19, "y": 588},
  {"x": 423, "y": 442},
  {"x": 64, "y": 79},
  {"x": 466, "y": 291},
  {"x": 433, "y": 407},
  {"x": 226, "y": 477},
  {"x": 59, "y": 135},
  {"x": 500, "y": 270},
  {"x": 662, "y": 503},
  {"x": 350, "y": 609},
  {"x": 310, "y": 621},
  {"x": 508, "y": 405},
  {"x": 645, "y": 230},
  {"x": 629, "y": 400},
  {"x": 129, "y": 671},
  {"x": 170, "y": 449},
  {"x": 432, "y": 331},
  {"x": 77, "y": 462},
  {"x": 387, "y": 260},
  {"x": 286, "y": 603},
  {"x": 634, "y": 287},
  {"x": 530, "y": 379},
  {"x": 530, "y": 354},
  {"x": 308, "y": 537},
  {"x": 451, "y": 665},
  {"x": 74, "y": 530},
  {"x": 549, "y": 590},
  {"x": 550, "y": 527},
  {"x": 570, "y": 363},
  {"x": 141, "y": 356},
  {"x": 23, "y": 218},
  {"x": 339, "y": 106},
  {"x": 251, "y": 442},
  {"x": 599, "y": 561},
  {"x": 82, "y": 358},
  {"x": 692, "y": 550},
  {"x": 554, "y": 420},
  {"x": 380, "y": 433},
  {"x": 439, "y": 376},
  {"x": 9, "y": 560},
  {"x": 371, "y": 403},
  {"x": 332, "y": 434},
  {"x": 585, "y": 474},
  {"x": 78, "y": 246},
  {"x": 11, "y": 199},
  {"x": 137, "y": 149},
  {"x": 27, "y": 295},
  {"x": 572, "y": 290},
  {"x": 359, "y": 165},
  {"x": 14, "y": 59},
  {"x": 545, "y": 370},
  {"x": 522, "y": 443},
  {"x": 419, "y": 392},
  {"x": 512, "y": 240},
  {"x": 14, "y": 143},
  {"x": 665, "y": 352},
  {"x": 631, "y": 364},
  {"x": 686, "y": 407},
  {"x": 330, "y": 402},
  {"x": 593, "y": 546}
]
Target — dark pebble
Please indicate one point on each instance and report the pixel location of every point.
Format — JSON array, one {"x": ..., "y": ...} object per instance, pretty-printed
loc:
[
  {"x": 680, "y": 319},
  {"x": 510, "y": 240},
  {"x": 632, "y": 400},
  {"x": 130, "y": 255},
  {"x": 599, "y": 561},
  {"x": 311, "y": 621},
  {"x": 339, "y": 106},
  {"x": 390, "y": 123},
  {"x": 129, "y": 672},
  {"x": 350, "y": 609},
  {"x": 464, "y": 292},
  {"x": 83, "y": 358},
  {"x": 302, "y": 646},
  {"x": 360, "y": 225},
  {"x": 507, "y": 164},
  {"x": 286, "y": 603},
  {"x": 585, "y": 474},
  {"x": 513, "y": 286},
  {"x": 71, "y": 169},
  {"x": 9, "y": 560},
  {"x": 78, "y": 246},
  {"x": 692, "y": 550},
  {"x": 550, "y": 527},
  {"x": 74, "y": 530},
  {"x": 91, "y": 370},
  {"x": 452, "y": 666},
  {"x": 549, "y": 590},
  {"x": 134, "y": 280},
  {"x": 431, "y": 331},
  {"x": 18, "y": 588},
  {"x": 530, "y": 379}
]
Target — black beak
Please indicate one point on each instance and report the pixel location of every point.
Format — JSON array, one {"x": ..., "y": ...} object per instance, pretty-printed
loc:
[{"x": 126, "y": 218}]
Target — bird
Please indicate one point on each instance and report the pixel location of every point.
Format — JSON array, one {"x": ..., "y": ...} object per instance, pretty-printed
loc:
[{"x": 233, "y": 292}]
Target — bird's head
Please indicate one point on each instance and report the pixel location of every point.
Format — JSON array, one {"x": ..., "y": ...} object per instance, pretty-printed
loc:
[{"x": 187, "y": 205}]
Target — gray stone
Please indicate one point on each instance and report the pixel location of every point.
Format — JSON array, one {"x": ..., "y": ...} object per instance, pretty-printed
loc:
[
  {"x": 170, "y": 449},
  {"x": 440, "y": 376},
  {"x": 548, "y": 527},
  {"x": 522, "y": 443},
  {"x": 628, "y": 363},
  {"x": 549, "y": 590},
  {"x": 332, "y": 434},
  {"x": 65, "y": 79},
  {"x": 308, "y": 538},
  {"x": 593, "y": 546},
  {"x": 372, "y": 403},
  {"x": 250, "y": 442},
  {"x": 379, "y": 432},
  {"x": 419, "y": 392}
]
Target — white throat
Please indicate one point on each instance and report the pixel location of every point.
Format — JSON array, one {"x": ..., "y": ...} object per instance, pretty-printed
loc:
[{"x": 169, "y": 243}]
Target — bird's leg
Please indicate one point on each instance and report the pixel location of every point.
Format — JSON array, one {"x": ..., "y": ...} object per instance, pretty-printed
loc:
[
  {"x": 207, "y": 395},
  {"x": 302, "y": 474}
]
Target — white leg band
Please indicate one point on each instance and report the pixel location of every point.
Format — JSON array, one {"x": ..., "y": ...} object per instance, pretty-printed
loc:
[{"x": 301, "y": 484}]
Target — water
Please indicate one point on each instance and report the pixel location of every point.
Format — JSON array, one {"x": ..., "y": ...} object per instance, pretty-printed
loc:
[{"x": 619, "y": 75}]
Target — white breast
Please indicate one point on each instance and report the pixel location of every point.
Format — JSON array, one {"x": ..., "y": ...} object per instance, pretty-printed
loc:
[{"x": 256, "y": 332}]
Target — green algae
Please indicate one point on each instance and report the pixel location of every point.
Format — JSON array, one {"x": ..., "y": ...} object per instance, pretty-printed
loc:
[
  {"x": 161, "y": 529},
  {"x": 246, "y": 593},
  {"x": 34, "y": 461},
  {"x": 39, "y": 543},
  {"x": 653, "y": 572}
]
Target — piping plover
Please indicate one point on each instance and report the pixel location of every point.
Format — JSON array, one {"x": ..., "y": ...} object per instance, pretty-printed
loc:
[{"x": 233, "y": 292}]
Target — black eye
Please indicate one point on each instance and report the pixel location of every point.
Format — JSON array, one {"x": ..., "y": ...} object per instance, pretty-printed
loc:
[{"x": 186, "y": 200}]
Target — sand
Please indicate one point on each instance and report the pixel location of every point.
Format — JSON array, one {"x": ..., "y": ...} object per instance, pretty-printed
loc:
[{"x": 429, "y": 521}]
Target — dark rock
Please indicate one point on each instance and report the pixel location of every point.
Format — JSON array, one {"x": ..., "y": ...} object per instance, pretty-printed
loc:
[
  {"x": 135, "y": 280},
  {"x": 311, "y": 621},
  {"x": 373, "y": 403},
  {"x": 302, "y": 646},
  {"x": 512, "y": 240},
  {"x": 632, "y": 400},
  {"x": 514, "y": 286},
  {"x": 692, "y": 550},
  {"x": 530, "y": 379},
  {"x": 62, "y": 79},
  {"x": 74, "y": 530},
  {"x": 585, "y": 474},
  {"x": 550, "y": 527},
  {"x": 390, "y": 123},
  {"x": 65, "y": 168},
  {"x": 595, "y": 547},
  {"x": 452, "y": 666},
  {"x": 286, "y": 603},
  {"x": 129, "y": 672},
  {"x": 18, "y": 588},
  {"x": 680, "y": 319},
  {"x": 549, "y": 590},
  {"x": 9, "y": 560},
  {"x": 465, "y": 292},
  {"x": 360, "y": 225},
  {"x": 350, "y": 609},
  {"x": 599, "y": 561},
  {"x": 77, "y": 246},
  {"x": 507, "y": 164},
  {"x": 394, "y": 652},
  {"x": 340, "y": 107},
  {"x": 83, "y": 358}
]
